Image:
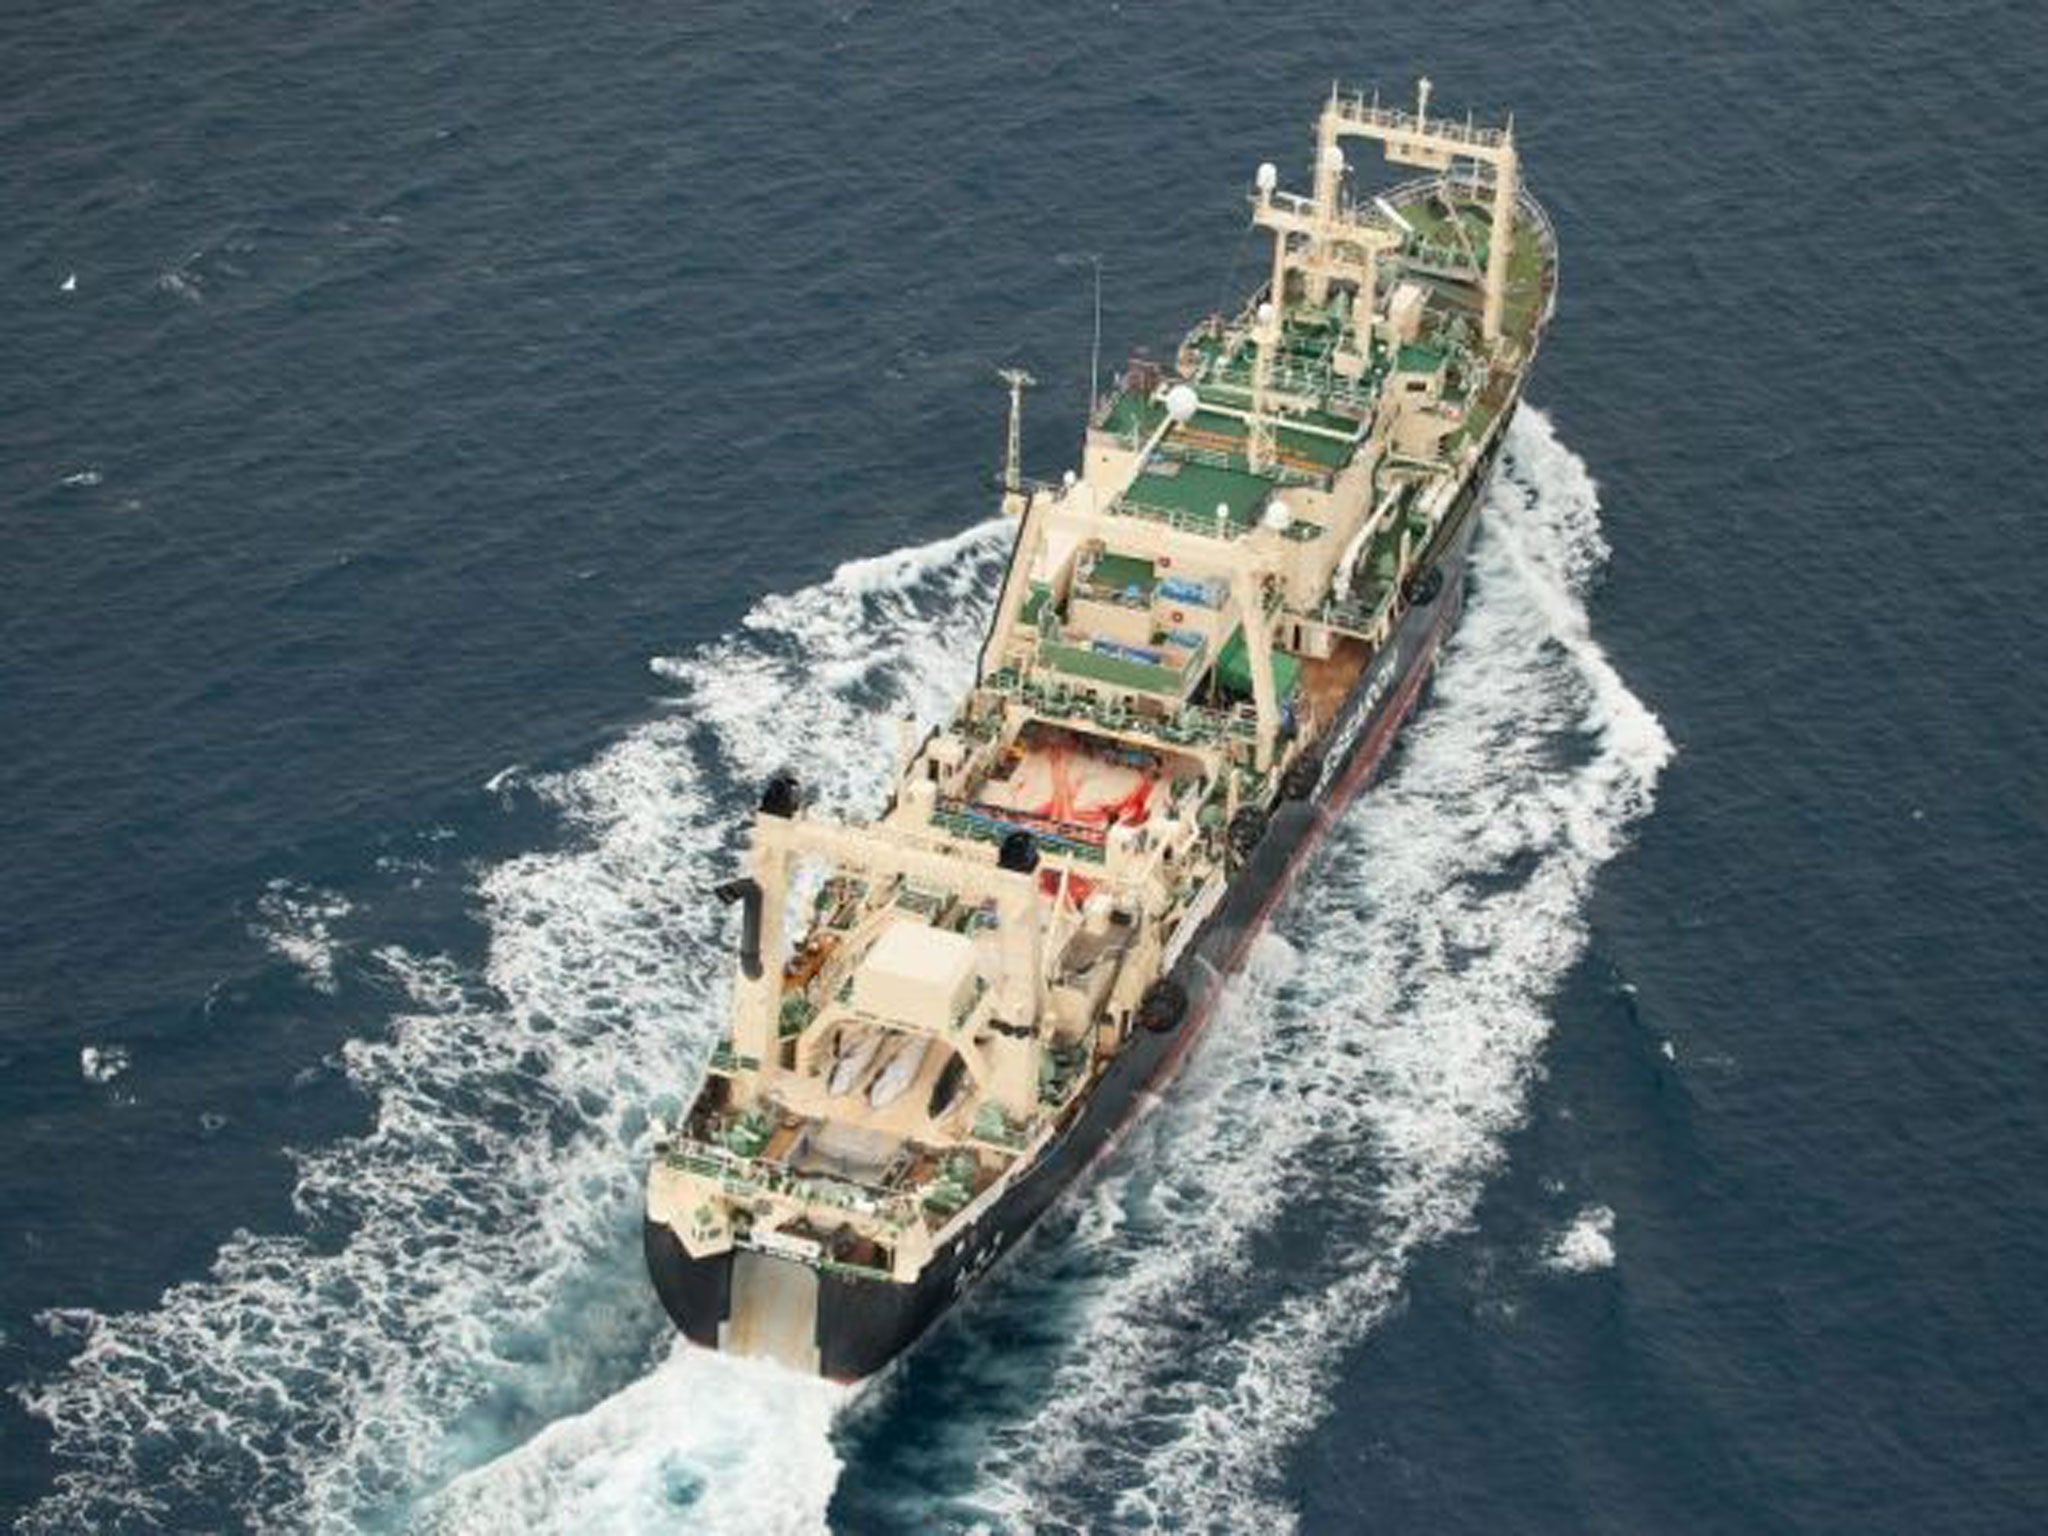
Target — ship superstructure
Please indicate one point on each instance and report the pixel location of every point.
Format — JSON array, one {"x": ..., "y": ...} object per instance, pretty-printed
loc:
[{"x": 1204, "y": 640}]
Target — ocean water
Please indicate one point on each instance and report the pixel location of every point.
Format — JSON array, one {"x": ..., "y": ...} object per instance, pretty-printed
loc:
[{"x": 448, "y": 459}]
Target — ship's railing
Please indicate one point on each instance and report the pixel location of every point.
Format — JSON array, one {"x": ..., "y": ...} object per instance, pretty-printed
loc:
[
  {"x": 1079, "y": 657},
  {"x": 1289, "y": 470},
  {"x": 737, "y": 1175},
  {"x": 1294, "y": 202},
  {"x": 1356, "y": 617},
  {"x": 1359, "y": 394},
  {"x": 1195, "y": 453},
  {"x": 1533, "y": 213},
  {"x": 1476, "y": 183},
  {"x": 1198, "y": 723},
  {"x": 1442, "y": 261},
  {"x": 1190, "y": 725},
  {"x": 1178, "y": 518},
  {"x": 1287, "y": 374},
  {"x": 1538, "y": 218},
  {"x": 1373, "y": 115},
  {"x": 990, "y": 824}
]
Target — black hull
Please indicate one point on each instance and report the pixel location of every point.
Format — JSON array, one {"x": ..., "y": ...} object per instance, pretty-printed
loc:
[{"x": 865, "y": 1323}]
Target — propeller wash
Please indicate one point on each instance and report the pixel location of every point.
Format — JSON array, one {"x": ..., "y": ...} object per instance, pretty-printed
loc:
[{"x": 1205, "y": 641}]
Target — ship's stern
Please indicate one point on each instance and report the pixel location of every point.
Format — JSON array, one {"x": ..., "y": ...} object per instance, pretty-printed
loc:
[{"x": 806, "y": 1318}]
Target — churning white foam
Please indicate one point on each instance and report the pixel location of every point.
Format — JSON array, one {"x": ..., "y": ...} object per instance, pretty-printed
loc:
[
  {"x": 295, "y": 922},
  {"x": 469, "y": 1268},
  {"x": 1354, "y": 1093},
  {"x": 703, "y": 1442},
  {"x": 462, "y": 1340},
  {"x": 102, "y": 1063},
  {"x": 1586, "y": 1245}
]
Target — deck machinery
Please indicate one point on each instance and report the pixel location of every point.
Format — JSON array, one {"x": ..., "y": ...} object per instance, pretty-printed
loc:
[{"x": 1205, "y": 638}]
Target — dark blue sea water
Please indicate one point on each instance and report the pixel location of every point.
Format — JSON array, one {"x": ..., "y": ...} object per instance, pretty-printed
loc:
[{"x": 1633, "y": 1124}]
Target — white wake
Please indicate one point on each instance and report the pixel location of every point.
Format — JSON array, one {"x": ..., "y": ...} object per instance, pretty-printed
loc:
[
  {"x": 463, "y": 1341},
  {"x": 1360, "y": 1082},
  {"x": 295, "y": 922},
  {"x": 470, "y": 1269},
  {"x": 703, "y": 1442}
]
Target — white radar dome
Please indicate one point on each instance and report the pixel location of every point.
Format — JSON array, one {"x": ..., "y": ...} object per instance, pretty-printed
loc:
[
  {"x": 1269, "y": 176},
  {"x": 1266, "y": 313},
  {"x": 1333, "y": 159},
  {"x": 1278, "y": 517},
  {"x": 1182, "y": 403}
]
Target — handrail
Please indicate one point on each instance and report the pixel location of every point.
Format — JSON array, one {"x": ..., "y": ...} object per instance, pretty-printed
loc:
[
  {"x": 1175, "y": 518},
  {"x": 896, "y": 1206},
  {"x": 1357, "y": 110},
  {"x": 1479, "y": 186}
]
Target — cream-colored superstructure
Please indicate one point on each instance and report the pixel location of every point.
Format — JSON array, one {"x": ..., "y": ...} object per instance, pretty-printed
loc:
[{"x": 936, "y": 992}]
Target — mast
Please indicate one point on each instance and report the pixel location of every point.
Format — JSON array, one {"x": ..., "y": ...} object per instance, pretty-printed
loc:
[
  {"x": 1259, "y": 445},
  {"x": 1017, "y": 574},
  {"x": 1013, "y": 457},
  {"x": 1505, "y": 190},
  {"x": 1414, "y": 139}
]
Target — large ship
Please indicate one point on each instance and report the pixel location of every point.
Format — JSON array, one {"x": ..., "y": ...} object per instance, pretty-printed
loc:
[{"x": 1205, "y": 640}]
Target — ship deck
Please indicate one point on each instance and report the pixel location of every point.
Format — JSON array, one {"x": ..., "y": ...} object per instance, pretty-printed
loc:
[
  {"x": 1067, "y": 788},
  {"x": 1081, "y": 784},
  {"x": 1446, "y": 254},
  {"x": 903, "y": 1119},
  {"x": 1327, "y": 681}
]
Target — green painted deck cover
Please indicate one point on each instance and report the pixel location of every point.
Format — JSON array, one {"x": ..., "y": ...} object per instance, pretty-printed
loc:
[
  {"x": 1317, "y": 450},
  {"x": 1198, "y": 488},
  {"x": 1327, "y": 452},
  {"x": 1118, "y": 671},
  {"x": 1131, "y": 415},
  {"x": 1234, "y": 668},
  {"x": 1418, "y": 357},
  {"x": 1119, "y": 573}
]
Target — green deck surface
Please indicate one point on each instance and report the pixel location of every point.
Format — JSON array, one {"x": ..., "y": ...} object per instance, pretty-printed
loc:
[
  {"x": 1234, "y": 668},
  {"x": 1118, "y": 671},
  {"x": 1302, "y": 365},
  {"x": 1433, "y": 226},
  {"x": 1119, "y": 573},
  {"x": 1197, "y": 489},
  {"x": 1323, "y": 451},
  {"x": 1420, "y": 357},
  {"x": 1130, "y": 416}
]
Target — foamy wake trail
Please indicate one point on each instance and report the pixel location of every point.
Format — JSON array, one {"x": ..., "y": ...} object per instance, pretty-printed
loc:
[
  {"x": 703, "y": 1442},
  {"x": 468, "y": 1271},
  {"x": 1354, "y": 1094},
  {"x": 463, "y": 1341}
]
